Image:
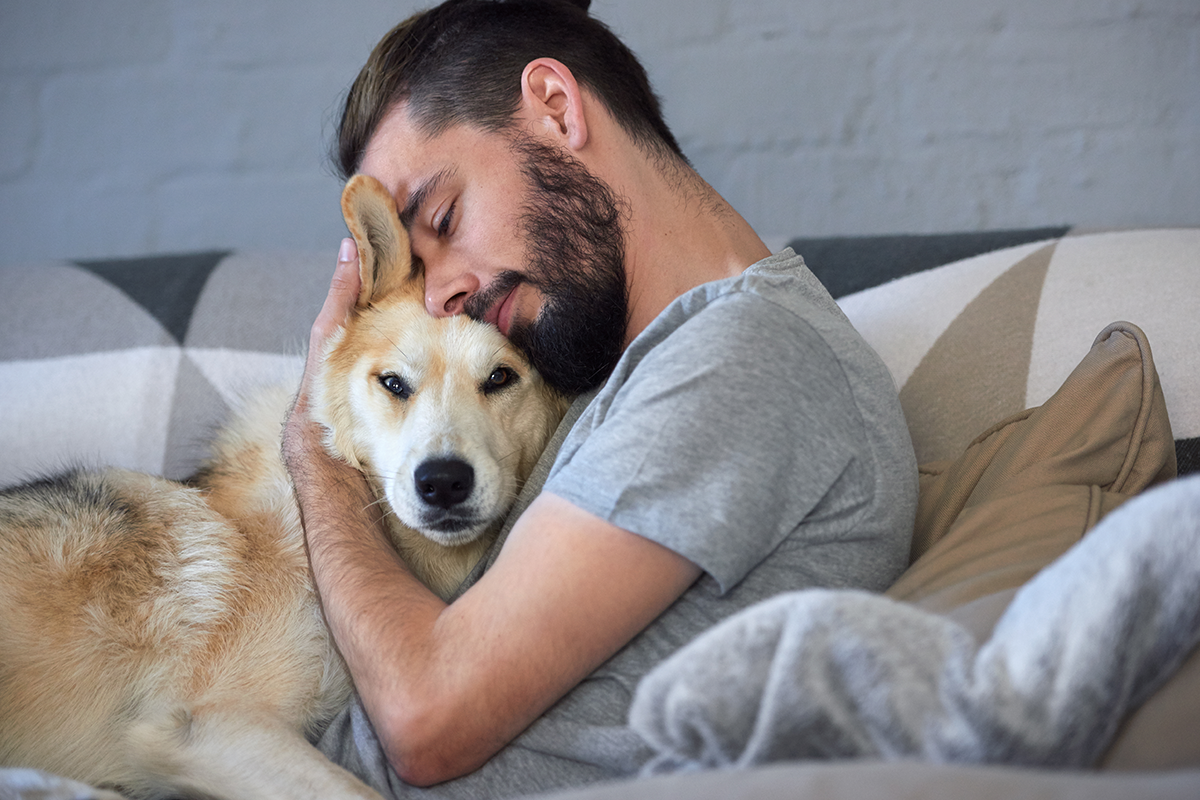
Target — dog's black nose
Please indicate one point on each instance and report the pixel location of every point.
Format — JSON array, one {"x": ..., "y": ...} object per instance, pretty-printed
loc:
[{"x": 444, "y": 482}]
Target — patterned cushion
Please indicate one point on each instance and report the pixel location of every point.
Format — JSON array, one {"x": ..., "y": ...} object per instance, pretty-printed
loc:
[
  {"x": 1029, "y": 487},
  {"x": 848, "y": 264},
  {"x": 133, "y": 362},
  {"x": 976, "y": 341}
]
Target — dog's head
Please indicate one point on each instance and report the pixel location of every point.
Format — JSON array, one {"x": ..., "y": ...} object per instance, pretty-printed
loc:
[{"x": 443, "y": 415}]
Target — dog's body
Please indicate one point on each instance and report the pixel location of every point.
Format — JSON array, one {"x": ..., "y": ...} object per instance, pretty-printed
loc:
[{"x": 166, "y": 639}]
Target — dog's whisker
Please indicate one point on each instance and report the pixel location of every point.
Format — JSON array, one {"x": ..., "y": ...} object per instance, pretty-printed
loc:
[{"x": 380, "y": 501}]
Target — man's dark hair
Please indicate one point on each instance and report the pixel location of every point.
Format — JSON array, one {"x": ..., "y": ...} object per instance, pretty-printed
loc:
[{"x": 461, "y": 62}]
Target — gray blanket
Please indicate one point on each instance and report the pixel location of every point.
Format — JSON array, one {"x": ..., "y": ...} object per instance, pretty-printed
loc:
[
  {"x": 826, "y": 674},
  {"x": 32, "y": 784}
]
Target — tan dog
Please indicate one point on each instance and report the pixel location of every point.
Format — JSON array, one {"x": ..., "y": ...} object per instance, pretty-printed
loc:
[{"x": 166, "y": 639}]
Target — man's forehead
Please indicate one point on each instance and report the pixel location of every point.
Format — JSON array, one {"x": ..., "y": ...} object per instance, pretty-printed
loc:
[
  {"x": 409, "y": 176},
  {"x": 412, "y": 162}
]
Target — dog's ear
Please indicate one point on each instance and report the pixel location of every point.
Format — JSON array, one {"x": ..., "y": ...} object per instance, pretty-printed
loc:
[{"x": 385, "y": 261}]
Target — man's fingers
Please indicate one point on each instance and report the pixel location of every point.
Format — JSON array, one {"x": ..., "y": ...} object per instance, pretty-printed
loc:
[{"x": 343, "y": 292}]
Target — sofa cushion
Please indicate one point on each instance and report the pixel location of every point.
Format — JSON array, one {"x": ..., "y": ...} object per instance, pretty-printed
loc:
[
  {"x": 168, "y": 341},
  {"x": 1027, "y": 488},
  {"x": 979, "y": 340},
  {"x": 848, "y": 264},
  {"x": 133, "y": 362},
  {"x": 888, "y": 780},
  {"x": 1162, "y": 734}
]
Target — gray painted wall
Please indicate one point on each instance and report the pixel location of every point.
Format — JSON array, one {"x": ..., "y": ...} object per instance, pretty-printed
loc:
[{"x": 143, "y": 126}]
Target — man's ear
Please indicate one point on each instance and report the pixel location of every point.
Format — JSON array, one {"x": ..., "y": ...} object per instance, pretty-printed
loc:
[
  {"x": 385, "y": 262},
  {"x": 552, "y": 100}
]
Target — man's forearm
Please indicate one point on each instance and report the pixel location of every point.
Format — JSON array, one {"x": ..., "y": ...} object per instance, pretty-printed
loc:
[
  {"x": 380, "y": 615},
  {"x": 447, "y": 686},
  {"x": 352, "y": 561}
]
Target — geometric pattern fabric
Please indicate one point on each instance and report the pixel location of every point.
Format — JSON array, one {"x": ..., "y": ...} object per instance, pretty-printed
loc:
[
  {"x": 850, "y": 264},
  {"x": 135, "y": 362},
  {"x": 973, "y": 342},
  {"x": 165, "y": 286}
]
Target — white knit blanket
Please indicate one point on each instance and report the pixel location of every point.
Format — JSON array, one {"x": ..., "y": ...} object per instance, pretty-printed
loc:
[{"x": 824, "y": 674}]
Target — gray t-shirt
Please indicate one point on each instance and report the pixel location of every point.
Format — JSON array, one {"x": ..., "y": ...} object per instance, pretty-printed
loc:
[{"x": 750, "y": 429}]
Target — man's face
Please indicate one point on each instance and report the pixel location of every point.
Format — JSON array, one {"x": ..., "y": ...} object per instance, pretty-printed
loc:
[
  {"x": 517, "y": 233},
  {"x": 576, "y": 259}
]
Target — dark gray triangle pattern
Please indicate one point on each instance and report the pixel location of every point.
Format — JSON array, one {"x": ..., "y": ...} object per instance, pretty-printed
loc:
[
  {"x": 848, "y": 264},
  {"x": 1187, "y": 453},
  {"x": 59, "y": 309},
  {"x": 166, "y": 286}
]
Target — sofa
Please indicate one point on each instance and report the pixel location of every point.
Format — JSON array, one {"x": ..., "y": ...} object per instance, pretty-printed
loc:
[{"x": 1032, "y": 417}]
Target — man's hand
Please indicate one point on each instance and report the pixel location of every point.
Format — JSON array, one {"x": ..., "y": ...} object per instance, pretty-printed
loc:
[
  {"x": 333, "y": 496},
  {"x": 302, "y": 436}
]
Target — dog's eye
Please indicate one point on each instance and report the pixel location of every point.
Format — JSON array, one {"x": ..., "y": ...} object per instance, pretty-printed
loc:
[
  {"x": 500, "y": 377},
  {"x": 396, "y": 385}
]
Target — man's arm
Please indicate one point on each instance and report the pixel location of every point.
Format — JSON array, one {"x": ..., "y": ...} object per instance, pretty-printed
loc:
[{"x": 447, "y": 686}]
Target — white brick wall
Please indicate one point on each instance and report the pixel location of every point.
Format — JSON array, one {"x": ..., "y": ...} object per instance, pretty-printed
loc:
[{"x": 140, "y": 126}]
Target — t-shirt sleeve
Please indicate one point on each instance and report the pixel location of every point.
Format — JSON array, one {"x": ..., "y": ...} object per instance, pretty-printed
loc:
[{"x": 722, "y": 439}]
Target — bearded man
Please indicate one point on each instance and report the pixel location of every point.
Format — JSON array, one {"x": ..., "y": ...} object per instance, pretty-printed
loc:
[{"x": 734, "y": 436}]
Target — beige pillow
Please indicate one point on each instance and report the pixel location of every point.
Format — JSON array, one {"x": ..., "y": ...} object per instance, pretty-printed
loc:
[{"x": 1029, "y": 487}]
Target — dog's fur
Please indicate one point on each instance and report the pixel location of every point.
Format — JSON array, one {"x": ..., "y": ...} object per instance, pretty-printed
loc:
[{"x": 166, "y": 639}]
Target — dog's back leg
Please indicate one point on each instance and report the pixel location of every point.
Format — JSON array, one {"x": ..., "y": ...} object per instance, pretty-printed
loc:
[{"x": 234, "y": 757}]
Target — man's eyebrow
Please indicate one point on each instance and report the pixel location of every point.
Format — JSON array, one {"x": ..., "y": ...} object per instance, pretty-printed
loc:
[{"x": 418, "y": 197}]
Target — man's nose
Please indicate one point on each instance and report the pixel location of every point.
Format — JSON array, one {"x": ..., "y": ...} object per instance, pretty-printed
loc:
[{"x": 448, "y": 284}]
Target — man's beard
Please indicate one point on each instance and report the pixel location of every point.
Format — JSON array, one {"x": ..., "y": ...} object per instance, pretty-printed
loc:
[{"x": 576, "y": 249}]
